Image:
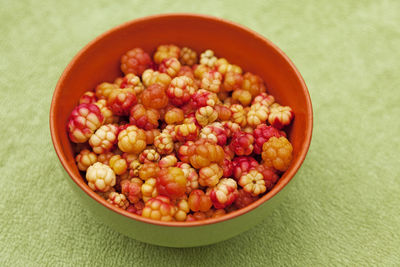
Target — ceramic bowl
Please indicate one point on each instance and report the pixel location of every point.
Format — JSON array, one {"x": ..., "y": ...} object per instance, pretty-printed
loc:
[{"x": 99, "y": 61}]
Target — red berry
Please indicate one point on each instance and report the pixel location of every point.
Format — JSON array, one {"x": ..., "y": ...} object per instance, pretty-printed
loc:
[
  {"x": 83, "y": 121},
  {"x": 154, "y": 97},
  {"x": 224, "y": 193},
  {"x": 227, "y": 167},
  {"x": 199, "y": 201},
  {"x": 262, "y": 134},
  {"x": 242, "y": 143},
  {"x": 171, "y": 182},
  {"x": 146, "y": 119},
  {"x": 120, "y": 101},
  {"x": 135, "y": 61},
  {"x": 244, "y": 199},
  {"x": 269, "y": 174},
  {"x": 242, "y": 165}
]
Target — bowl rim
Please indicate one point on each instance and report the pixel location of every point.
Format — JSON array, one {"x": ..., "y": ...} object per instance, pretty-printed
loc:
[{"x": 287, "y": 177}]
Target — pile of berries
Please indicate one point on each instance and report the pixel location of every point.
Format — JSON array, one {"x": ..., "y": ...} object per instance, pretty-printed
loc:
[{"x": 181, "y": 136}]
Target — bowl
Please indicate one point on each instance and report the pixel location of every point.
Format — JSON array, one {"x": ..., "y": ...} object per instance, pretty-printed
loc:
[{"x": 99, "y": 61}]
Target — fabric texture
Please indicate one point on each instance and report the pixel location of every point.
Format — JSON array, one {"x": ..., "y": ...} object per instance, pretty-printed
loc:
[{"x": 343, "y": 208}]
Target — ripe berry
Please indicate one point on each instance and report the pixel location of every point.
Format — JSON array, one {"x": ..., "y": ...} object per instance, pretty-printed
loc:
[
  {"x": 164, "y": 143},
  {"x": 170, "y": 66},
  {"x": 88, "y": 97},
  {"x": 210, "y": 175},
  {"x": 199, "y": 201},
  {"x": 244, "y": 199},
  {"x": 277, "y": 153},
  {"x": 133, "y": 82},
  {"x": 253, "y": 183},
  {"x": 118, "y": 164},
  {"x": 171, "y": 182},
  {"x": 149, "y": 189},
  {"x": 159, "y": 208},
  {"x": 211, "y": 81},
  {"x": 132, "y": 189},
  {"x": 262, "y": 133},
  {"x": 85, "y": 158},
  {"x": 120, "y": 101},
  {"x": 100, "y": 177},
  {"x": 242, "y": 143},
  {"x": 135, "y": 61},
  {"x": 154, "y": 97},
  {"x": 253, "y": 83},
  {"x": 103, "y": 90},
  {"x": 118, "y": 200},
  {"x": 180, "y": 90},
  {"x": 146, "y": 119},
  {"x": 188, "y": 56},
  {"x": 150, "y": 77},
  {"x": 280, "y": 116},
  {"x": 166, "y": 51},
  {"x": 132, "y": 140},
  {"x": 224, "y": 193},
  {"x": 83, "y": 121},
  {"x": 104, "y": 138},
  {"x": 242, "y": 165}
]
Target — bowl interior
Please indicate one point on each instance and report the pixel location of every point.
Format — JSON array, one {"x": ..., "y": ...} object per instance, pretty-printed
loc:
[{"x": 99, "y": 62}]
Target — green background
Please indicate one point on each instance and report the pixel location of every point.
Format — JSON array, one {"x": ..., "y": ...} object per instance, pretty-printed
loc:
[{"x": 343, "y": 207}]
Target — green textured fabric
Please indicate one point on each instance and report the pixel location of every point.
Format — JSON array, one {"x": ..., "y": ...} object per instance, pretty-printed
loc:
[{"x": 343, "y": 208}]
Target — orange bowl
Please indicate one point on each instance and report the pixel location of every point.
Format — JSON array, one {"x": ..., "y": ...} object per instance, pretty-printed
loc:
[{"x": 99, "y": 61}]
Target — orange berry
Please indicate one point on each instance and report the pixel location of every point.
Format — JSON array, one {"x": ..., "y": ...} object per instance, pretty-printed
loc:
[
  {"x": 174, "y": 116},
  {"x": 118, "y": 164},
  {"x": 85, "y": 158},
  {"x": 159, "y": 208},
  {"x": 210, "y": 175},
  {"x": 188, "y": 56},
  {"x": 171, "y": 182},
  {"x": 150, "y": 77},
  {"x": 199, "y": 201},
  {"x": 166, "y": 51},
  {"x": 103, "y": 90},
  {"x": 154, "y": 97},
  {"x": 132, "y": 140},
  {"x": 277, "y": 153}
]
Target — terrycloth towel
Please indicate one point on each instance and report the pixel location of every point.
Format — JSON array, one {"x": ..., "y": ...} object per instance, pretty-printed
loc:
[{"x": 343, "y": 207}]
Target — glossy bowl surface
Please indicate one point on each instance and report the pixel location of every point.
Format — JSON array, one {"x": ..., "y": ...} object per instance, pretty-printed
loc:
[{"x": 99, "y": 61}]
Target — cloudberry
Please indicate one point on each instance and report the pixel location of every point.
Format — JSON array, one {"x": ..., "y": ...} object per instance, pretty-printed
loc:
[
  {"x": 135, "y": 61},
  {"x": 253, "y": 183},
  {"x": 277, "y": 153},
  {"x": 224, "y": 193},
  {"x": 118, "y": 200},
  {"x": 132, "y": 140},
  {"x": 280, "y": 116},
  {"x": 103, "y": 90},
  {"x": 170, "y": 66},
  {"x": 180, "y": 90},
  {"x": 210, "y": 175},
  {"x": 100, "y": 177},
  {"x": 171, "y": 182},
  {"x": 242, "y": 143},
  {"x": 242, "y": 165},
  {"x": 188, "y": 56},
  {"x": 159, "y": 208},
  {"x": 199, "y": 201},
  {"x": 120, "y": 101},
  {"x": 132, "y": 189},
  {"x": 174, "y": 116},
  {"x": 83, "y": 121},
  {"x": 151, "y": 77},
  {"x": 146, "y": 119},
  {"x": 149, "y": 170},
  {"x": 88, "y": 97},
  {"x": 118, "y": 164},
  {"x": 253, "y": 83},
  {"x": 166, "y": 51},
  {"x": 262, "y": 133},
  {"x": 154, "y": 97},
  {"x": 244, "y": 199},
  {"x": 104, "y": 138},
  {"x": 85, "y": 158}
]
